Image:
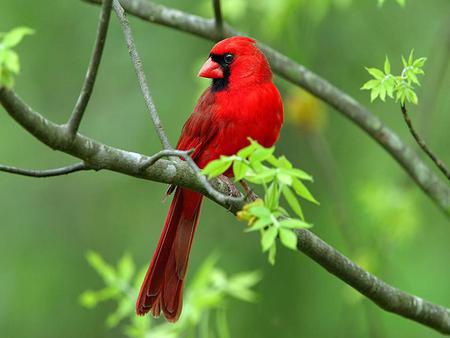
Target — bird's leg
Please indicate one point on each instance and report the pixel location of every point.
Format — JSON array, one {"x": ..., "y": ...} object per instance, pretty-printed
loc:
[
  {"x": 232, "y": 190},
  {"x": 249, "y": 192}
]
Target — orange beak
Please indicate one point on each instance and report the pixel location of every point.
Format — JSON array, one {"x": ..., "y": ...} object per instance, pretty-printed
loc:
[{"x": 211, "y": 70}]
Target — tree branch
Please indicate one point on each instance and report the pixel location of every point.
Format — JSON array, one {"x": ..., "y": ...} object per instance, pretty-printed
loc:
[
  {"x": 80, "y": 107},
  {"x": 422, "y": 143},
  {"x": 424, "y": 177},
  {"x": 218, "y": 16},
  {"x": 45, "y": 173},
  {"x": 137, "y": 63},
  {"x": 100, "y": 156}
]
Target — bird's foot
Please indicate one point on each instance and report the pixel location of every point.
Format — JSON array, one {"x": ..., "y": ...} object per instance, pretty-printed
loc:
[{"x": 232, "y": 190}]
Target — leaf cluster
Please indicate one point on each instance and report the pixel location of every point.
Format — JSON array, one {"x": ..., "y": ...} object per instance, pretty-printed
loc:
[
  {"x": 9, "y": 60},
  {"x": 207, "y": 294},
  {"x": 280, "y": 181},
  {"x": 399, "y": 86}
]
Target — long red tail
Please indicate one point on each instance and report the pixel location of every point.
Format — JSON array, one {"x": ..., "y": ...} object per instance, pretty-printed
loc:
[{"x": 162, "y": 288}]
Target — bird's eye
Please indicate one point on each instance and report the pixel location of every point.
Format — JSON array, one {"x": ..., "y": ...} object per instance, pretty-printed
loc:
[{"x": 228, "y": 58}]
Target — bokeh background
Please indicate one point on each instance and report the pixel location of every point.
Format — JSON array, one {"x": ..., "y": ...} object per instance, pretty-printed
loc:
[{"x": 370, "y": 209}]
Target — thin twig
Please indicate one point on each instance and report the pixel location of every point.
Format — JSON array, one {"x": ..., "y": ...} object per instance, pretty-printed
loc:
[
  {"x": 422, "y": 143},
  {"x": 218, "y": 17},
  {"x": 179, "y": 173},
  {"x": 298, "y": 74},
  {"x": 80, "y": 107},
  {"x": 45, "y": 173},
  {"x": 140, "y": 74},
  {"x": 185, "y": 154}
]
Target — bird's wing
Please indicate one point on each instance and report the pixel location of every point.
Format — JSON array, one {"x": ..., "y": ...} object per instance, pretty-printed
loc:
[{"x": 199, "y": 129}]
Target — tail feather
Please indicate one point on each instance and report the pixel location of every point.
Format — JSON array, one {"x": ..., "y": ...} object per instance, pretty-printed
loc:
[{"x": 162, "y": 289}]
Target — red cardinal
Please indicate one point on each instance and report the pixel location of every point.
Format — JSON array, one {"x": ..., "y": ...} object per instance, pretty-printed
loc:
[{"x": 242, "y": 102}]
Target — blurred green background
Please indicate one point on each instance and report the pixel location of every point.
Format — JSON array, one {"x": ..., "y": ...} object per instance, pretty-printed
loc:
[{"x": 370, "y": 209}]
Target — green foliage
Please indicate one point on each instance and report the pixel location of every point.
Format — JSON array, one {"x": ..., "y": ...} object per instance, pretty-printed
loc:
[
  {"x": 401, "y": 86},
  {"x": 279, "y": 178},
  {"x": 9, "y": 60},
  {"x": 206, "y": 295}
]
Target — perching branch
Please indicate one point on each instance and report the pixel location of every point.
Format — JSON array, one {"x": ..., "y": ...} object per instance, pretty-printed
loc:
[
  {"x": 45, "y": 173},
  {"x": 137, "y": 63},
  {"x": 424, "y": 177},
  {"x": 100, "y": 156},
  {"x": 218, "y": 16},
  {"x": 422, "y": 143},
  {"x": 75, "y": 119}
]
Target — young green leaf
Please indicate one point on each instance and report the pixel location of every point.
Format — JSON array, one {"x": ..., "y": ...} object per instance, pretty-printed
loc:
[
  {"x": 268, "y": 237},
  {"x": 292, "y": 223},
  {"x": 13, "y": 37},
  {"x": 288, "y": 238},
  {"x": 217, "y": 167},
  {"x": 272, "y": 253},
  {"x": 293, "y": 202},
  {"x": 302, "y": 191}
]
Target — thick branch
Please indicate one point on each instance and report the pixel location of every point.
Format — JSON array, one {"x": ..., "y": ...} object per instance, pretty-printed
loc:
[
  {"x": 80, "y": 107},
  {"x": 45, "y": 173},
  {"x": 422, "y": 143},
  {"x": 434, "y": 187},
  {"x": 137, "y": 63},
  {"x": 100, "y": 156}
]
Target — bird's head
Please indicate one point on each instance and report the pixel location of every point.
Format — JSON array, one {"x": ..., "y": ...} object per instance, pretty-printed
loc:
[{"x": 235, "y": 62}]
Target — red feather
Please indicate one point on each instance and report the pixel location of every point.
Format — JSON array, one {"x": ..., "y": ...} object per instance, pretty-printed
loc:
[{"x": 246, "y": 105}]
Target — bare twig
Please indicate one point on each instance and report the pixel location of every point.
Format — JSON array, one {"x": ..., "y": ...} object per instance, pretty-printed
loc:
[
  {"x": 218, "y": 16},
  {"x": 140, "y": 74},
  {"x": 45, "y": 173},
  {"x": 422, "y": 175},
  {"x": 98, "y": 155},
  {"x": 422, "y": 143},
  {"x": 80, "y": 107}
]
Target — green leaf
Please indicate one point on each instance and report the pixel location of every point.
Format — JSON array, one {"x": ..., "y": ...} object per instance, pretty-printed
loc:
[
  {"x": 420, "y": 62},
  {"x": 387, "y": 66},
  {"x": 268, "y": 238},
  {"x": 13, "y": 38},
  {"x": 376, "y": 73},
  {"x": 11, "y": 61},
  {"x": 217, "y": 167},
  {"x": 283, "y": 162},
  {"x": 370, "y": 84},
  {"x": 292, "y": 223},
  {"x": 272, "y": 253},
  {"x": 265, "y": 176},
  {"x": 260, "y": 211},
  {"x": 298, "y": 173},
  {"x": 411, "y": 96},
  {"x": 302, "y": 191},
  {"x": 240, "y": 169},
  {"x": 412, "y": 77},
  {"x": 260, "y": 224},
  {"x": 247, "y": 151},
  {"x": 411, "y": 58},
  {"x": 293, "y": 202},
  {"x": 261, "y": 154},
  {"x": 288, "y": 238},
  {"x": 272, "y": 196},
  {"x": 374, "y": 94},
  {"x": 284, "y": 178},
  {"x": 126, "y": 268},
  {"x": 105, "y": 270}
]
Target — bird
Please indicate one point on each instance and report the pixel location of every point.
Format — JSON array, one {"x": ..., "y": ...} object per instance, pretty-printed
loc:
[{"x": 242, "y": 102}]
